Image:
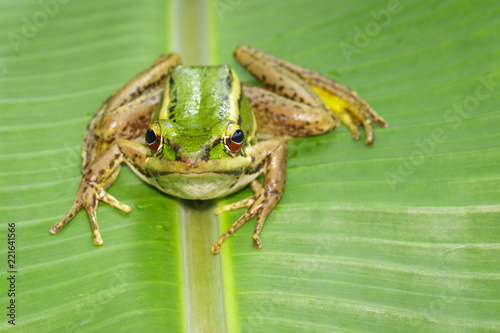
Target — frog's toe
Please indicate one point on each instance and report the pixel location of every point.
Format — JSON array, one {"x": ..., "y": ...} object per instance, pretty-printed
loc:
[
  {"x": 235, "y": 205},
  {"x": 352, "y": 110},
  {"x": 112, "y": 201},
  {"x": 55, "y": 228},
  {"x": 69, "y": 215},
  {"x": 351, "y": 123},
  {"x": 367, "y": 124},
  {"x": 257, "y": 242},
  {"x": 97, "y": 238}
]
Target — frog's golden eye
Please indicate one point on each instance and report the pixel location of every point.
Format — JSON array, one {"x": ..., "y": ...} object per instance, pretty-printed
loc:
[
  {"x": 153, "y": 137},
  {"x": 234, "y": 138}
]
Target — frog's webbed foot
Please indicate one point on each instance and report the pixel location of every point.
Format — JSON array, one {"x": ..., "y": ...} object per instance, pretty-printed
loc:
[
  {"x": 347, "y": 105},
  {"x": 97, "y": 177},
  {"x": 260, "y": 204},
  {"x": 271, "y": 155},
  {"x": 88, "y": 196},
  {"x": 311, "y": 88}
]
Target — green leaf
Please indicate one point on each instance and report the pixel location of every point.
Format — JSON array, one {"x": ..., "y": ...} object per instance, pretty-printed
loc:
[{"x": 399, "y": 236}]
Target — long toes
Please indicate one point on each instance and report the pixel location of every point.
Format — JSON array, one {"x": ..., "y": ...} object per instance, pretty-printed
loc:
[
  {"x": 235, "y": 205},
  {"x": 112, "y": 201},
  {"x": 59, "y": 225}
]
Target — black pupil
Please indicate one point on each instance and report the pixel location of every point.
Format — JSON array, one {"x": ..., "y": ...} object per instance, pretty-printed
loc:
[
  {"x": 150, "y": 136},
  {"x": 238, "y": 136}
]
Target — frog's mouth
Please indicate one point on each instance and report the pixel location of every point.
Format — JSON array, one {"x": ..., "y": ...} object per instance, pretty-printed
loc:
[{"x": 225, "y": 165}]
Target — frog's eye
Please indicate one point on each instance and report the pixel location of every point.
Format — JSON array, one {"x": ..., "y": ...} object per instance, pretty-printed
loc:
[
  {"x": 154, "y": 139},
  {"x": 234, "y": 138}
]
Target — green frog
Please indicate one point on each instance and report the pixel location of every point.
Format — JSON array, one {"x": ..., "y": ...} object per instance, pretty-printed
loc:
[{"x": 199, "y": 133}]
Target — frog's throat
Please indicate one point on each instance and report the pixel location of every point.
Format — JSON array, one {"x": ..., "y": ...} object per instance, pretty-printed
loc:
[{"x": 158, "y": 167}]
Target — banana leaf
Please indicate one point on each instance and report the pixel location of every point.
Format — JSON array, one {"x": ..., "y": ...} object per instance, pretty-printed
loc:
[{"x": 403, "y": 235}]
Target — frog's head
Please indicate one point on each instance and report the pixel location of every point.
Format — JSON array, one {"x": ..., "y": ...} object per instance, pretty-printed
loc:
[
  {"x": 203, "y": 117},
  {"x": 167, "y": 140}
]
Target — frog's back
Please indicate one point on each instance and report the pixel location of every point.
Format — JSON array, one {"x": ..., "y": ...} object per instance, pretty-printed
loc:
[{"x": 200, "y": 96}]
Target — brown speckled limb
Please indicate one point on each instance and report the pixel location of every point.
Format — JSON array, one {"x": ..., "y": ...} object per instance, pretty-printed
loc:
[
  {"x": 278, "y": 116},
  {"x": 99, "y": 175},
  {"x": 311, "y": 88},
  {"x": 266, "y": 196},
  {"x": 124, "y": 116},
  {"x": 134, "y": 103}
]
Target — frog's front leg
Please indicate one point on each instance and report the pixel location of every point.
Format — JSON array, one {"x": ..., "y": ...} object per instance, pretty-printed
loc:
[
  {"x": 311, "y": 88},
  {"x": 269, "y": 156},
  {"x": 126, "y": 114},
  {"x": 98, "y": 176}
]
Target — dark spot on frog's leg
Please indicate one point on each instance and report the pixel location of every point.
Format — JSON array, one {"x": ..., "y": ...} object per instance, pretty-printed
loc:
[
  {"x": 280, "y": 88},
  {"x": 171, "y": 116},
  {"x": 263, "y": 78},
  {"x": 172, "y": 108},
  {"x": 175, "y": 93},
  {"x": 101, "y": 172},
  {"x": 171, "y": 82},
  {"x": 174, "y": 100},
  {"x": 112, "y": 164}
]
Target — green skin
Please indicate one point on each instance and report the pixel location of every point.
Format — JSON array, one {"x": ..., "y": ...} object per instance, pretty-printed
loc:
[{"x": 175, "y": 127}]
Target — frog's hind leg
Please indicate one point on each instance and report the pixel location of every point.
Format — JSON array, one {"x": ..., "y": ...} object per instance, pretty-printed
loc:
[
  {"x": 309, "y": 87},
  {"x": 278, "y": 116},
  {"x": 127, "y": 112}
]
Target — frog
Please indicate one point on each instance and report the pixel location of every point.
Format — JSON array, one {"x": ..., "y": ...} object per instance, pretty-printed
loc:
[{"x": 198, "y": 133}]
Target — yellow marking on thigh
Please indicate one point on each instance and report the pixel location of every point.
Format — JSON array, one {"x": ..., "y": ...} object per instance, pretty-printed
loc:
[{"x": 335, "y": 103}]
